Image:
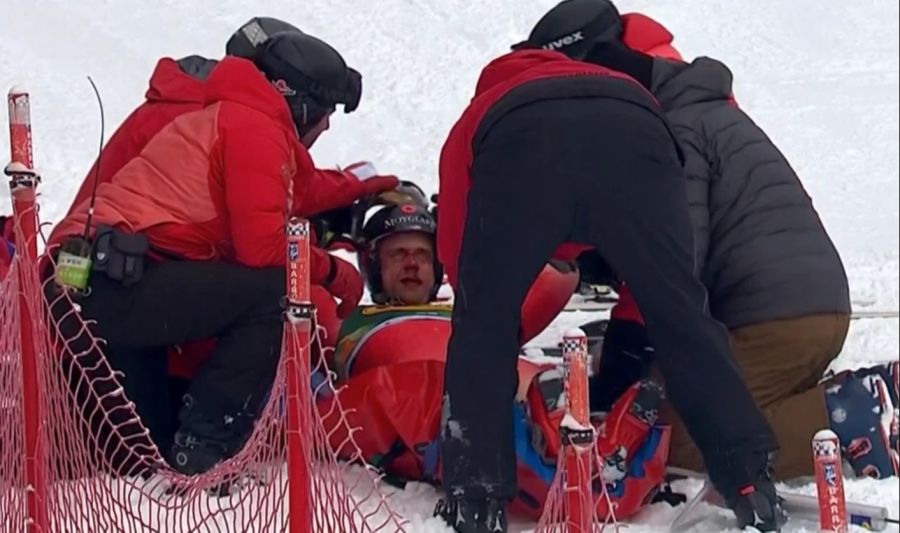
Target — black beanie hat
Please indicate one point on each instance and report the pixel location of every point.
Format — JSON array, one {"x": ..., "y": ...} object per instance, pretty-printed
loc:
[{"x": 574, "y": 26}]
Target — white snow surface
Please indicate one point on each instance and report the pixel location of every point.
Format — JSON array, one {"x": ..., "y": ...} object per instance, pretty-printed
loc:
[{"x": 820, "y": 76}]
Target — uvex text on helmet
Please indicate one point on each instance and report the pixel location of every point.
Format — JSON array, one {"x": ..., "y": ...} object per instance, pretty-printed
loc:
[
  {"x": 253, "y": 33},
  {"x": 574, "y": 26}
]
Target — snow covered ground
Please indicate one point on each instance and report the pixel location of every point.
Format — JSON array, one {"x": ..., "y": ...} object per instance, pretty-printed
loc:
[{"x": 821, "y": 76}]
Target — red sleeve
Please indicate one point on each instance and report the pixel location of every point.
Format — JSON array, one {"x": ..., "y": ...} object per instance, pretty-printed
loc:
[
  {"x": 320, "y": 265},
  {"x": 257, "y": 163},
  {"x": 626, "y": 308},
  {"x": 546, "y": 298},
  {"x": 452, "y": 191},
  {"x": 324, "y": 190},
  {"x": 326, "y": 314},
  {"x": 256, "y": 195}
]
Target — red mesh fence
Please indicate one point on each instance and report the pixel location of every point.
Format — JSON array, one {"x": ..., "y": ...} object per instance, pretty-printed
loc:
[
  {"x": 103, "y": 472},
  {"x": 560, "y": 515},
  {"x": 12, "y": 437},
  {"x": 345, "y": 498},
  {"x": 95, "y": 468},
  {"x": 573, "y": 505}
]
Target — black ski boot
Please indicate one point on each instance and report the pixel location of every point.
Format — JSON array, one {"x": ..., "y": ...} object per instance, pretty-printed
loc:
[
  {"x": 473, "y": 516},
  {"x": 207, "y": 438},
  {"x": 191, "y": 455}
]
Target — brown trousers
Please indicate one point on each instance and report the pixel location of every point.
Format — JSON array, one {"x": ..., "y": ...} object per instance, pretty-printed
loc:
[{"x": 782, "y": 362}]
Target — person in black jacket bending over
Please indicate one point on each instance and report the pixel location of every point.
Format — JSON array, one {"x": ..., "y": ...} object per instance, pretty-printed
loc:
[{"x": 553, "y": 151}]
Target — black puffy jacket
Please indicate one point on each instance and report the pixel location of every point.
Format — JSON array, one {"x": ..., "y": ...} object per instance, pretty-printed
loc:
[{"x": 762, "y": 250}]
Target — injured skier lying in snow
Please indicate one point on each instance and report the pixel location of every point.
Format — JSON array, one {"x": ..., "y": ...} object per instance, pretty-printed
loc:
[
  {"x": 390, "y": 357},
  {"x": 391, "y": 362}
]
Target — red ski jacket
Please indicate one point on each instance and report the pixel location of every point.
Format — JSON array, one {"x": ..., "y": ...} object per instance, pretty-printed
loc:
[
  {"x": 172, "y": 92},
  {"x": 213, "y": 184},
  {"x": 177, "y": 88},
  {"x": 497, "y": 79}
]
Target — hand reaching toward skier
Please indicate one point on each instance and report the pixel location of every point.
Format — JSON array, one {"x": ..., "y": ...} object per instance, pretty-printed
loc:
[{"x": 344, "y": 283}]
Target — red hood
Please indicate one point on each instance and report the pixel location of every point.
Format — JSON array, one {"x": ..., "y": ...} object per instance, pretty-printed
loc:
[
  {"x": 238, "y": 80},
  {"x": 646, "y": 35},
  {"x": 171, "y": 84},
  {"x": 508, "y": 66}
]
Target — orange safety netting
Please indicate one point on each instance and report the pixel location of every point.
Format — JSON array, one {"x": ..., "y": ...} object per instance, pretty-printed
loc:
[
  {"x": 12, "y": 438},
  {"x": 101, "y": 471},
  {"x": 74, "y": 455},
  {"x": 578, "y": 501},
  {"x": 560, "y": 515}
]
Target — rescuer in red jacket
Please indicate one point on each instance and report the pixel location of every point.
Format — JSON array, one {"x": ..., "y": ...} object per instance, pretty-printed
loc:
[
  {"x": 188, "y": 241},
  {"x": 553, "y": 151},
  {"x": 178, "y": 87}
]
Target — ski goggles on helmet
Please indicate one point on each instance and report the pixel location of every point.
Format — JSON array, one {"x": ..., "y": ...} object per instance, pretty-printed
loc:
[
  {"x": 327, "y": 97},
  {"x": 405, "y": 193}
]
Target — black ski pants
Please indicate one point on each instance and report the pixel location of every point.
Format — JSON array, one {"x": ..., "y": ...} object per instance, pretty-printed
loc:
[
  {"x": 173, "y": 303},
  {"x": 606, "y": 173}
]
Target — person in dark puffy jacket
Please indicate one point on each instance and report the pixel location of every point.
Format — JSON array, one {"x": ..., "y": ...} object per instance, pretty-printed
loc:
[{"x": 774, "y": 277}]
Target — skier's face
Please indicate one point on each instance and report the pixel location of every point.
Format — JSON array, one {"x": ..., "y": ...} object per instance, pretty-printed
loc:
[{"x": 407, "y": 267}]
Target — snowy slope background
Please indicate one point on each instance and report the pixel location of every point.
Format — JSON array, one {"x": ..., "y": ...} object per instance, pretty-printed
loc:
[{"x": 821, "y": 76}]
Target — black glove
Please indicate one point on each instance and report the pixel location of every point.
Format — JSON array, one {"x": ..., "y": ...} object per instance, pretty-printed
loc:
[
  {"x": 745, "y": 481},
  {"x": 617, "y": 56},
  {"x": 595, "y": 270},
  {"x": 625, "y": 358},
  {"x": 333, "y": 225}
]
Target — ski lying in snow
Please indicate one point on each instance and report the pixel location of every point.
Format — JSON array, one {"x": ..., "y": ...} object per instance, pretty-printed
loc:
[
  {"x": 592, "y": 298},
  {"x": 867, "y": 313},
  {"x": 597, "y": 298},
  {"x": 591, "y": 305},
  {"x": 797, "y": 506}
]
